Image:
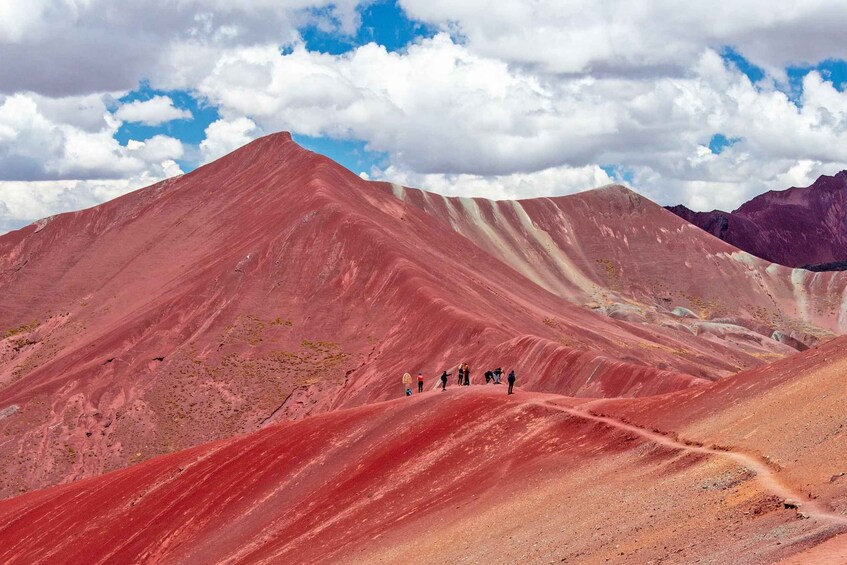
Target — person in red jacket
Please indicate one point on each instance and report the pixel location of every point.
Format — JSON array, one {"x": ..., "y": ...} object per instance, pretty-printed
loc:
[{"x": 420, "y": 381}]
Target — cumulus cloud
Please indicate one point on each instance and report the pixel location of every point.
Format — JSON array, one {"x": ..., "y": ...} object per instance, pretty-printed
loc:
[
  {"x": 56, "y": 47},
  {"x": 73, "y": 47},
  {"x": 224, "y": 136},
  {"x": 645, "y": 38},
  {"x": 37, "y": 142},
  {"x": 21, "y": 203},
  {"x": 554, "y": 181},
  {"x": 444, "y": 114},
  {"x": 58, "y": 155},
  {"x": 152, "y": 112},
  {"x": 436, "y": 108}
]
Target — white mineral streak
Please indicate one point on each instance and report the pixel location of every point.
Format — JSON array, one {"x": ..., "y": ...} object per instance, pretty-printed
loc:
[
  {"x": 495, "y": 240},
  {"x": 798, "y": 282},
  {"x": 745, "y": 258},
  {"x": 842, "y": 313},
  {"x": 566, "y": 265}
]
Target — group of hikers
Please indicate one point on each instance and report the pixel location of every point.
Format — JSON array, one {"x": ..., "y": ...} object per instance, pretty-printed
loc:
[{"x": 464, "y": 378}]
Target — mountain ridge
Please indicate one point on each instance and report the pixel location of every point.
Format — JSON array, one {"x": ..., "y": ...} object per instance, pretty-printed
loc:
[
  {"x": 442, "y": 463},
  {"x": 273, "y": 284},
  {"x": 803, "y": 227}
]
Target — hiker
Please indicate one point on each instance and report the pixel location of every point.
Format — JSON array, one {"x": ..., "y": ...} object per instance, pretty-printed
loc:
[
  {"x": 461, "y": 372},
  {"x": 420, "y": 382},
  {"x": 467, "y": 375},
  {"x": 488, "y": 376},
  {"x": 498, "y": 372},
  {"x": 511, "y": 380},
  {"x": 407, "y": 382},
  {"x": 444, "y": 376}
]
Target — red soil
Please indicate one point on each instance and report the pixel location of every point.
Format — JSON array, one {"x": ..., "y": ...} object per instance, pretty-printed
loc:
[
  {"x": 273, "y": 284},
  {"x": 792, "y": 413},
  {"x": 469, "y": 475}
]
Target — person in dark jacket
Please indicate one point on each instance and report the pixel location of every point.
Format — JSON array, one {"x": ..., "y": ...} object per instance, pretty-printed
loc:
[
  {"x": 488, "y": 376},
  {"x": 407, "y": 383},
  {"x": 444, "y": 376},
  {"x": 461, "y": 372},
  {"x": 511, "y": 380},
  {"x": 498, "y": 373}
]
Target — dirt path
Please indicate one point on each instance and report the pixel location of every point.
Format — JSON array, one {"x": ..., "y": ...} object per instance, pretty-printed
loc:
[{"x": 764, "y": 474}]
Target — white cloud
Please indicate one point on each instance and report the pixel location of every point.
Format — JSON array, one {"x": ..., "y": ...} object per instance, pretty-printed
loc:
[
  {"x": 156, "y": 149},
  {"x": 72, "y": 47},
  {"x": 56, "y": 47},
  {"x": 170, "y": 168},
  {"x": 44, "y": 144},
  {"x": 554, "y": 181},
  {"x": 17, "y": 19},
  {"x": 518, "y": 99},
  {"x": 726, "y": 187},
  {"x": 58, "y": 155},
  {"x": 152, "y": 112},
  {"x": 644, "y": 38},
  {"x": 224, "y": 136},
  {"x": 444, "y": 114},
  {"x": 21, "y": 203},
  {"x": 436, "y": 108}
]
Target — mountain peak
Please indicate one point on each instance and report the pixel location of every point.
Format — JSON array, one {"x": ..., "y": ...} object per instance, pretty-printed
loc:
[
  {"x": 838, "y": 180},
  {"x": 613, "y": 188},
  {"x": 616, "y": 198},
  {"x": 269, "y": 142}
]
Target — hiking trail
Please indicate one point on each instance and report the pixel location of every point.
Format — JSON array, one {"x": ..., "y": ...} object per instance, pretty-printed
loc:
[{"x": 766, "y": 476}]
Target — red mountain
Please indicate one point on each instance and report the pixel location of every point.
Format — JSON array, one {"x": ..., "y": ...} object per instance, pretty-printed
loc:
[
  {"x": 797, "y": 227},
  {"x": 273, "y": 284}
]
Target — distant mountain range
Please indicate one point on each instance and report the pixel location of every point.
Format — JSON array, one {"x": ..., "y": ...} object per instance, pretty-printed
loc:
[{"x": 797, "y": 227}]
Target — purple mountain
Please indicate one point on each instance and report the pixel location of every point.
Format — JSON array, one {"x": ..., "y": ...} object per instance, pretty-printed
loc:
[{"x": 797, "y": 227}]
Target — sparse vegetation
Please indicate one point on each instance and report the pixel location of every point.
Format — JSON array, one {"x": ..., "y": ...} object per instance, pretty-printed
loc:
[
  {"x": 611, "y": 271},
  {"x": 23, "y": 328}
]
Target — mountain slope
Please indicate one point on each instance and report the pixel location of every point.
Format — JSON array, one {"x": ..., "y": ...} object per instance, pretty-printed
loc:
[
  {"x": 792, "y": 412},
  {"x": 797, "y": 227},
  {"x": 273, "y": 284},
  {"x": 473, "y": 475},
  {"x": 622, "y": 254},
  {"x": 266, "y": 285}
]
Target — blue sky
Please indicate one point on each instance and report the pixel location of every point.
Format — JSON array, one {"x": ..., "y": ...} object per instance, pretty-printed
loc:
[
  {"x": 834, "y": 70},
  {"x": 384, "y": 23}
]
